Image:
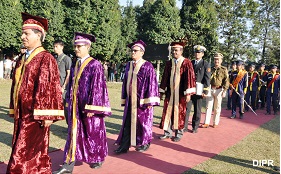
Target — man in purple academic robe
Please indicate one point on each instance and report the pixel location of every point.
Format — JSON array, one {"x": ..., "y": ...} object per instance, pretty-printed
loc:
[
  {"x": 88, "y": 104},
  {"x": 139, "y": 95}
]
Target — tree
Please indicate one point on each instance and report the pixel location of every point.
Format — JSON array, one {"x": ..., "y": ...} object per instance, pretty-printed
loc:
[
  {"x": 128, "y": 30},
  {"x": 266, "y": 28},
  {"x": 54, "y": 12},
  {"x": 199, "y": 21},
  {"x": 10, "y": 28},
  {"x": 234, "y": 18}
]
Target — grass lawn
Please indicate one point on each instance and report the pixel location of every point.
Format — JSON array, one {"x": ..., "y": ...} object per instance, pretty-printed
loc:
[{"x": 264, "y": 143}]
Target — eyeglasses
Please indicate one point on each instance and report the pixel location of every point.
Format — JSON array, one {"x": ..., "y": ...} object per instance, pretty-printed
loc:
[
  {"x": 133, "y": 51},
  {"x": 78, "y": 46}
]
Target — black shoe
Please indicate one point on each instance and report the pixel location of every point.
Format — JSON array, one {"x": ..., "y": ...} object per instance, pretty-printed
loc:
[
  {"x": 194, "y": 131},
  {"x": 233, "y": 116},
  {"x": 120, "y": 151},
  {"x": 96, "y": 165},
  {"x": 62, "y": 170},
  {"x": 143, "y": 148},
  {"x": 185, "y": 130},
  {"x": 241, "y": 116},
  {"x": 163, "y": 137},
  {"x": 176, "y": 139},
  {"x": 268, "y": 113}
]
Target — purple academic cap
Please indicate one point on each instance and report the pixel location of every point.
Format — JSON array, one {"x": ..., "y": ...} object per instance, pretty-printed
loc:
[
  {"x": 82, "y": 38},
  {"x": 138, "y": 43}
]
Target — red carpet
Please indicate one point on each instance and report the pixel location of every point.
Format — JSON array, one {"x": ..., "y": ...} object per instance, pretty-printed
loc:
[{"x": 167, "y": 156}]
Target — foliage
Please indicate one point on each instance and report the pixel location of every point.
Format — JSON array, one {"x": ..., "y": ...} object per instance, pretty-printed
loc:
[
  {"x": 10, "y": 28},
  {"x": 163, "y": 23},
  {"x": 199, "y": 21},
  {"x": 266, "y": 28}
]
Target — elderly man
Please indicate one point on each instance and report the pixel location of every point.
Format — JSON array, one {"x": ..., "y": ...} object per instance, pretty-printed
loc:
[
  {"x": 36, "y": 101},
  {"x": 139, "y": 95},
  {"x": 219, "y": 85},
  {"x": 238, "y": 85},
  {"x": 178, "y": 84},
  {"x": 88, "y": 104}
]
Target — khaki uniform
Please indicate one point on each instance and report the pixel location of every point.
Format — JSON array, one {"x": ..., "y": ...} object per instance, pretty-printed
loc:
[{"x": 219, "y": 84}]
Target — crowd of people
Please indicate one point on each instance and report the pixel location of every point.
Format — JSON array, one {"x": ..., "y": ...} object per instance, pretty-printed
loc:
[{"x": 48, "y": 88}]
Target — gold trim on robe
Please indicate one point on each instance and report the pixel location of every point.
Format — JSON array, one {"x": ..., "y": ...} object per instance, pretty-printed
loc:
[
  {"x": 48, "y": 112},
  {"x": 77, "y": 74},
  {"x": 98, "y": 108},
  {"x": 174, "y": 99},
  {"x": 149, "y": 100},
  {"x": 19, "y": 73},
  {"x": 132, "y": 76},
  {"x": 11, "y": 111}
]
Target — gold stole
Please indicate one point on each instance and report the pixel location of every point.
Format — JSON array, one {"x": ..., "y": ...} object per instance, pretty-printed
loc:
[
  {"x": 132, "y": 76},
  {"x": 77, "y": 74},
  {"x": 174, "y": 98},
  {"x": 19, "y": 73}
]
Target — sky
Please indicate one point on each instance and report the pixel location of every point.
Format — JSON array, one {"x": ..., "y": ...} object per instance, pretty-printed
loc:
[{"x": 139, "y": 2}]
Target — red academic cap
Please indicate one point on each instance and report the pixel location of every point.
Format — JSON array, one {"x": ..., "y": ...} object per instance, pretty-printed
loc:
[
  {"x": 34, "y": 22},
  {"x": 82, "y": 38},
  {"x": 138, "y": 43},
  {"x": 177, "y": 44}
]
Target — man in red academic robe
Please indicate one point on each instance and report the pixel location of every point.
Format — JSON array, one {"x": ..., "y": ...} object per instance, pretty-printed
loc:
[
  {"x": 178, "y": 84},
  {"x": 36, "y": 101}
]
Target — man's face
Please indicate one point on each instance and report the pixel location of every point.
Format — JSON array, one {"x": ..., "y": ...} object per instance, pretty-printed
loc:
[
  {"x": 239, "y": 67},
  {"x": 81, "y": 50},
  {"x": 58, "y": 48},
  {"x": 136, "y": 53},
  {"x": 273, "y": 70},
  {"x": 30, "y": 39},
  {"x": 22, "y": 50},
  {"x": 252, "y": 68},
  {"x": 234, "y": 66},
  {"x": 218, "y": 61},
  {"x": 176, "y": 52},
  {"x": 262, "y": 68},
  {"x": 198, "y": 55}
]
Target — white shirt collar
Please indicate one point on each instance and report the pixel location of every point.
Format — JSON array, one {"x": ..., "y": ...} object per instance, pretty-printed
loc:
[{"x": 84, "y": 58}]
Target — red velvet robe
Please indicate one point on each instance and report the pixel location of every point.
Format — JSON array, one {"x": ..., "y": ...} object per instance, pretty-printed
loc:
[
  {"x": 35, "y": 96},
  {"x": 177, "y": 82}
]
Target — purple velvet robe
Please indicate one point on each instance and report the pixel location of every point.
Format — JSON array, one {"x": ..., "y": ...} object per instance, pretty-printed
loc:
[
  {"x": 87, "y": 93},
  {"x": 141, "y": 86},
  {"x": 35, "y": 96}
]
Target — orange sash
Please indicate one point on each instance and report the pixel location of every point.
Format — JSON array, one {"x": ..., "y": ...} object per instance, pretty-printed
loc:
[
  {"x": 252, "y": 79},
  {"x": 239, "y": 77},
  {"x": 273, "y": 80}
]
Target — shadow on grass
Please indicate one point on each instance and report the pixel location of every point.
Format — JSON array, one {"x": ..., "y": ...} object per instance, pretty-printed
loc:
[
  {"x": 235, "y": 161},
  {"x": 59, "y": 131},
  {"x": 6, "y": 138},
  {"x": 112, "y": 128},
  {"x": 4, "y": 114}
]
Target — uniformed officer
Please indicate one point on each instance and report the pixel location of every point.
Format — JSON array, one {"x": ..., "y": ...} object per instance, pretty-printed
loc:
[
  {"x": 219, "y": 84},
  {"x": 272, "y": 90},
  {"x": 202, "y": 72},
  {"x": 230, "y": 74},
  {"x": 253, "y": 85},
  {"x": 239, "y": 84},
  {"x": 262, "y": 90}
]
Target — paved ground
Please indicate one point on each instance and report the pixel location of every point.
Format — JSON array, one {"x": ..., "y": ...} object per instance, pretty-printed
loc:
[{"x": 170, "y": 157}]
